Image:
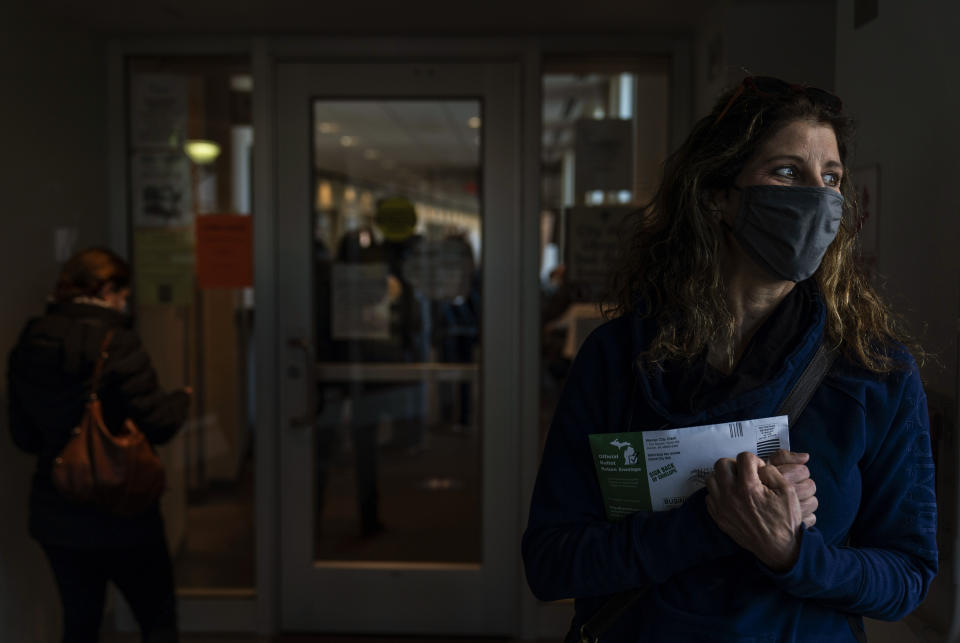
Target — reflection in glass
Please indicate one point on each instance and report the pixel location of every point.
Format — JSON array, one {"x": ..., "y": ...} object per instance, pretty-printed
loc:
[
  {"x": 190, "y": 140},
  {"x": 396, "y": 246},
  {"x": 604, "y": 141}
]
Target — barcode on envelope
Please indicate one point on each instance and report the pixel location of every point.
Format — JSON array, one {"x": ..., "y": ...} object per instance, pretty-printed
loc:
[
  {"x": 736, "y": 429},
  {"x": 766, "y": 448}
]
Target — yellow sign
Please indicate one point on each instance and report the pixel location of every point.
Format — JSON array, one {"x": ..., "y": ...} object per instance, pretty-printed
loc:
[
  {"x": 163, "y": 263},
  {"x": 396, "y": 218}
]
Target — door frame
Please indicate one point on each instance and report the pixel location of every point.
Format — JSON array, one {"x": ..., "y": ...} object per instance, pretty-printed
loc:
[
  {"x": 474, "y": 598},
  {"x": 260, "y": 612}
]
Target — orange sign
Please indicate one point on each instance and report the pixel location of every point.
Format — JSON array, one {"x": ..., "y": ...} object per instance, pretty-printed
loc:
[{"x": 224, "y": 250}]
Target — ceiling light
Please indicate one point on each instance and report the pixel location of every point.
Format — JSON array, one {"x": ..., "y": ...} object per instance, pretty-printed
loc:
[
  {"x": 202, "y": 152},
  {"x": 324, "y": 196},
  {"x": 328, "y": 127},
  {"x": 371, "y": 155},
  {"x": 474, "y": 122},
  {"x": 241, "y": 83},
  {"x": 348, "y": 141}
]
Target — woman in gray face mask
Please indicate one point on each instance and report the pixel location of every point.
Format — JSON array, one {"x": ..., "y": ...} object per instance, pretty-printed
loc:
[{"x": 739, "y": 275}]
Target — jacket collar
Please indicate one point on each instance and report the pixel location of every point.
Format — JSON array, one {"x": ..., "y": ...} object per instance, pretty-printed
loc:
[
  {"x": 761, "y": 401},
  {"x": 88, "y": 310}
]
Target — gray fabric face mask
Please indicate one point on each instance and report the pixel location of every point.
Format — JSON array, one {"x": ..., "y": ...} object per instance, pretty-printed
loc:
[{"x": 788, "y": 229}]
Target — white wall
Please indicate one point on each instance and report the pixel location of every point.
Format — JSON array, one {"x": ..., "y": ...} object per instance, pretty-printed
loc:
[
  {"x": 896, "y": 75},
  {"x": 793, "y": 40},
  {"x": 52, "y": 174}
]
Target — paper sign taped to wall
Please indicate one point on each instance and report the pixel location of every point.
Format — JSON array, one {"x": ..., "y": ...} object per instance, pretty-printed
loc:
[
  {"x": 441, "y": 270},
  {"x": 158, "y": 111},
  {"x": 163, "y": 263},
  {"x": 604, "y": 154},
  {"x": 360, "y": 306},
  {"x": 161, "y": 189},
  {"x": 594, "y": 235},
  {"x": 224, "y": 251}
]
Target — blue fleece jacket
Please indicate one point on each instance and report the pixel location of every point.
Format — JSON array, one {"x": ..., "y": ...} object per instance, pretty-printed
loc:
[{"x": 870, "y": 459}]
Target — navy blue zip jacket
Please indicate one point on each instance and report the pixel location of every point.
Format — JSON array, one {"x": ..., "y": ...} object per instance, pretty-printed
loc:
[{"x": 870, "y": 458}]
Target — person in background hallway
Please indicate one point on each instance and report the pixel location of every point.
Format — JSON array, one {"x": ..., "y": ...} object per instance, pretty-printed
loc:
[
  {"x": 49, "y": 376},
  {"x": 456, "y": 333},
  {"x": 738, "y": 268},
  {"x": 355, "y": 247}
]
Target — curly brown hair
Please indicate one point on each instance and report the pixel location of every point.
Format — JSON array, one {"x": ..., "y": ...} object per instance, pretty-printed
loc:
[
  {"x": 669, "y": 267},
  {"x": 88, "y": 271}
]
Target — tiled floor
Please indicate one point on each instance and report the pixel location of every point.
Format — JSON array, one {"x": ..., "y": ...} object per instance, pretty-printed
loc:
[
  {"x": 423, "y": 522},
  {"x": 429, "y": 504}
]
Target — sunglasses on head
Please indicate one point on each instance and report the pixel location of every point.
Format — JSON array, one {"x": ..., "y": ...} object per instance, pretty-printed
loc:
[{"x": 769, "y": 87}]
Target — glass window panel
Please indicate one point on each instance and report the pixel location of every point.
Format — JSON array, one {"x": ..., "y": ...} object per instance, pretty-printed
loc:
[
  {"x": 604, "y": 141},
  {"x": 190, "y": 145},
  {"x": 397, "y": 245}
]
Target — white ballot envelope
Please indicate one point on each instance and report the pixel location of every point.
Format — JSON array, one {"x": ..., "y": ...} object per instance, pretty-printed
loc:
[{"x": 658, "y": 470}]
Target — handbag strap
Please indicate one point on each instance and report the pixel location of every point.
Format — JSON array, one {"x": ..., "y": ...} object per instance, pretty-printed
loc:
[
  {"x": 798, "y": 398},
  {"x": 793, "y": 406},
  {"x": 98, "y": 367}
]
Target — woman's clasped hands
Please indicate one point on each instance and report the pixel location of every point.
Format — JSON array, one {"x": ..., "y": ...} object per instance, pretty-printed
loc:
[{"x": 761, "y": 505}]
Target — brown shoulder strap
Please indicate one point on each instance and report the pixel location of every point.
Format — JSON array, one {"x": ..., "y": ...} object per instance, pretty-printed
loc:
[{"x": 98, "y": 368}]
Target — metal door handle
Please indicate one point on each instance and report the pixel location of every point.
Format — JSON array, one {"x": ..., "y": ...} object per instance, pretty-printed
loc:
[{"x": 310, "y": 379}]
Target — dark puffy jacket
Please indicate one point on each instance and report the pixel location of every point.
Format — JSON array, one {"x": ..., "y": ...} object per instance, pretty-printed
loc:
[{"x": 49, "y": 379}]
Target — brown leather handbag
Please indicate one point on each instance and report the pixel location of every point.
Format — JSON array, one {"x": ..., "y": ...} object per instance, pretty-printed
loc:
[{"x": 118, "y": 472}]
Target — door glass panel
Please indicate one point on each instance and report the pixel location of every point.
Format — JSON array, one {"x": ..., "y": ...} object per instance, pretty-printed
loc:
[
  {"x": 397, "y": 244},
  {"x": 191, "y": 178}
]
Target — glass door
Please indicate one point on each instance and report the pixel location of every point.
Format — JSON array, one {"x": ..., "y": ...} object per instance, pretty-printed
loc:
[{"x": 398, "y": 241}]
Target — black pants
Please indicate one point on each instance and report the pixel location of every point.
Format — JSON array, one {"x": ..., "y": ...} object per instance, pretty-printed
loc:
[{"x": 143, "y": 574}]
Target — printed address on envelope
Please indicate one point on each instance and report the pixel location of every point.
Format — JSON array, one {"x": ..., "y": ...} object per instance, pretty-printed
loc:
[{"x": 658, "y": 470}]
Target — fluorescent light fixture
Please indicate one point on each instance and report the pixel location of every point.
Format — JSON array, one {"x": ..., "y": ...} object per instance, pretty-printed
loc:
[
  {"x": 241, "y": 83},
  {"x": 202, "y": 152},
  {"x": 474, "y": 122},
  {"x": 328, "y": 127},
  {"x": 325, "y": 196},
  {"x": 348, "y": 141}
]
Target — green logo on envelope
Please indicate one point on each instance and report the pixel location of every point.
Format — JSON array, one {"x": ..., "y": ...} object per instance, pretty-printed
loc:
[{"x": 619, "y": 462}]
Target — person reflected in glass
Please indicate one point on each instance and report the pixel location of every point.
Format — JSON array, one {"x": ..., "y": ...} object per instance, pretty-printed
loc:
[
  {"x": 49, "y": 378},
  {"x": 742, "y": 264},
  {"x": 457, "y": 331},
  {"x": 355, "y": 345},
  {"x": 411, "y": 327}
]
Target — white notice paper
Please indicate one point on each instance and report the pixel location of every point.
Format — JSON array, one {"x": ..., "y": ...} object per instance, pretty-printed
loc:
[{"x": 658, "y": 470}]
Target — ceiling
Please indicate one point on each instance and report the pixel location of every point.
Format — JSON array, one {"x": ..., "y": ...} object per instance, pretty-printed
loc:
[
  {"x": 429, "y": 146},
  {"x": 378, "y": 17}
]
